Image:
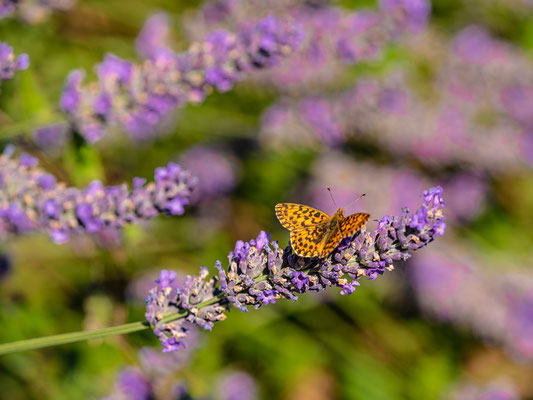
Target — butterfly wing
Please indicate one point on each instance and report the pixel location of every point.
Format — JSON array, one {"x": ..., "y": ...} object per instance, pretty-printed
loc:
[
  {"x": 297, "y": 216},
  {"x": 352, "y": 223},
  {"x": 347, "y": 227},
  {"x": 308, "y": 241}
]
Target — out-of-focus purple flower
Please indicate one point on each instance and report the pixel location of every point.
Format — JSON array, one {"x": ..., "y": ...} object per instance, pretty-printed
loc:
[
  {"x": 319, "y": 116},
  {"x": 518, "y": 101},
  {"x": 451, "y": 283},
  {"x": 7, "y": 7},
  {"x": 140, "y": 97},
  {"x": 131, "y": 385},
  {"x": 260, "y": 272},
  {"x": 154, "y": 35},
  {"x": 475, "y": 45},
  {"x": 216, "y": 10},
  {"x": 237, "y": 385},
  {"x": 216, "y": 171},
  {"x": 32, "y": 200},
  {"x": 498, "y": 389},
  {"x": 9, "y": 62},
  {"x": 50, "y": 137},
  {"x": 414, "y": 14},
  {"x": 32, "y": 11}
]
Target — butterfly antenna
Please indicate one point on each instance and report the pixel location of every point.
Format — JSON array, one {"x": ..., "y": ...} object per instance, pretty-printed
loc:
[
  {"x": 331, "y": 194},
  {"x": 363, "y": 195}
]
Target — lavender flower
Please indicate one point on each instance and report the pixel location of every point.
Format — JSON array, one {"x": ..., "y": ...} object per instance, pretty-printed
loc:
[
  {"x": 9, "y": 63},
  {"x": 153, "y": 36},
  {"x": 32, "y": 11},
  {"x": 260, "y": 272},
  {"x": 50, "y": 137},
  {"x": 139, "y": 97},
  {"x": 132, "y": 385},
  {"x": 452, "y": 283},
  {"x": 237, "y": 385},
  {"x": 498, "y": 389},
  {"x": 216, "y": 171},
  {"x": 32, "y": 200},
  {"x": 333, "y": 36}
]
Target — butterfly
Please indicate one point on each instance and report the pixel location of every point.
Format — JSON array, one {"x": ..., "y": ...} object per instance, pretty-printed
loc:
[{"x": 313, "y": 232}]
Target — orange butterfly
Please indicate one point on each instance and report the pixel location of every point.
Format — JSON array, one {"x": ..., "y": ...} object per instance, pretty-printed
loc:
[{"x": 314, "y": 233}]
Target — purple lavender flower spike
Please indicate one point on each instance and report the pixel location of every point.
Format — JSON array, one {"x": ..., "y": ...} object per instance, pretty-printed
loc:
[
  {"x": 154, "y": 35},
  {"x": 31, "y": 200},
  {"x": 32, "y": 11},
  {"x": 131, "y": 385},
  {"x": 139, "y": 97},
  {"x": 9, "y": 63},
  {"x": 260, "y": 272},
  {"x": 414, "y": 14}
]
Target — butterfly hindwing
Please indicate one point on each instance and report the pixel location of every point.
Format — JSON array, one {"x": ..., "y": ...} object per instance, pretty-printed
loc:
[
  {"x": 297, "y": 216},
  {"x": 308, "y": 242}
]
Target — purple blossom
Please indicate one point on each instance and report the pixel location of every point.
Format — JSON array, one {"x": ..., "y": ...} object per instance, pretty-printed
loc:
[
  {"x": 32, "y": 11},
  {"x": 132, "y": 385},
  {"x": 414, "y": 14},
  {"x": 237, "y": 385},
  {"x": 216, "y": 171},
  {"x": 140, "y": 97},
  {"x": 260, "y": 272},
  {"x": 32, "y": 200},
  {"x": 9, "y": 62},
  {"x": 50, "y": 137},
  {"x": 154, "y": 35}
]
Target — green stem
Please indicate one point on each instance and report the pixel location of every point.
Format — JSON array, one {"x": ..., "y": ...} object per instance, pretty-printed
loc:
[{"x": 54, "y": 340}]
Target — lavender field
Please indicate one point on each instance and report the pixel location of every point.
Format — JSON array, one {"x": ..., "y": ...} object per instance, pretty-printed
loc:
[{"x": 145, "y": 148}]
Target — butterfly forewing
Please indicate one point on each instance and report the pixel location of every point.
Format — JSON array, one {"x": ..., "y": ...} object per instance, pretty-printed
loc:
[
  {"x": 297, "y": 216},
  {"x": 352, "y": 223}
]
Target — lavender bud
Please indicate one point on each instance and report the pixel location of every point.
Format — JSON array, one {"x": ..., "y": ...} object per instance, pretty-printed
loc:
[{"x": 9, "y": 63}]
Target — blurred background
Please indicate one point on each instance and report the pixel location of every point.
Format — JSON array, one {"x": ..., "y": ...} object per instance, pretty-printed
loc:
[{"x": 385, "y": 98}]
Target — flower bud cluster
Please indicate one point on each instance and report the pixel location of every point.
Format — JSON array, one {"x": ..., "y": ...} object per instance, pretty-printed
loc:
[
  {"x": 9, "y": 62},
  {"x": 260, "y": 272},
  {"x": 32, "y": 200},
  {"x": 139, "y": 97}
]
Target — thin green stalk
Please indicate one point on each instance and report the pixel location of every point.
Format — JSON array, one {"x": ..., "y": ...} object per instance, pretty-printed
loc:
[
  {"x": 63, "y": 338},
  {"x": 55, "y": 340}
]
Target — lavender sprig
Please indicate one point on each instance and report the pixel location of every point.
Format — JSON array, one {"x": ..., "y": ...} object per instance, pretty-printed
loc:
[
  {"x": 138, "y": 97},
  {"x": 33, "y": 11},
  {"x": 32, "y": 200},
  {"x": 260, "y": 272},
  {"x": 9, "y": 62}
]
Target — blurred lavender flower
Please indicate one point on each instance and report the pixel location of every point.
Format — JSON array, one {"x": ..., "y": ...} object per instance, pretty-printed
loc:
[
  {"x": 139, "y": 97},
  {"x": 389, "y": 113},
  {"x": 260, "y": 272},
  {"x": 216, "y": 171},
  {"x": 334, "y": 37},
  {"x": 236, "y": 385},
  {"x": 32, "y": 200},
  {"x": 32, "y": 11},
  {"x": 153, "y": 36},
  {"x": 132, "y": 385},
  {"x": 9, "y": 63},
  {"x": 451, "y": 285},
  {"x": 50, "y": 137},
  {"x": 388, "y": 188},
  {"x": 498, "y": 389}
]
